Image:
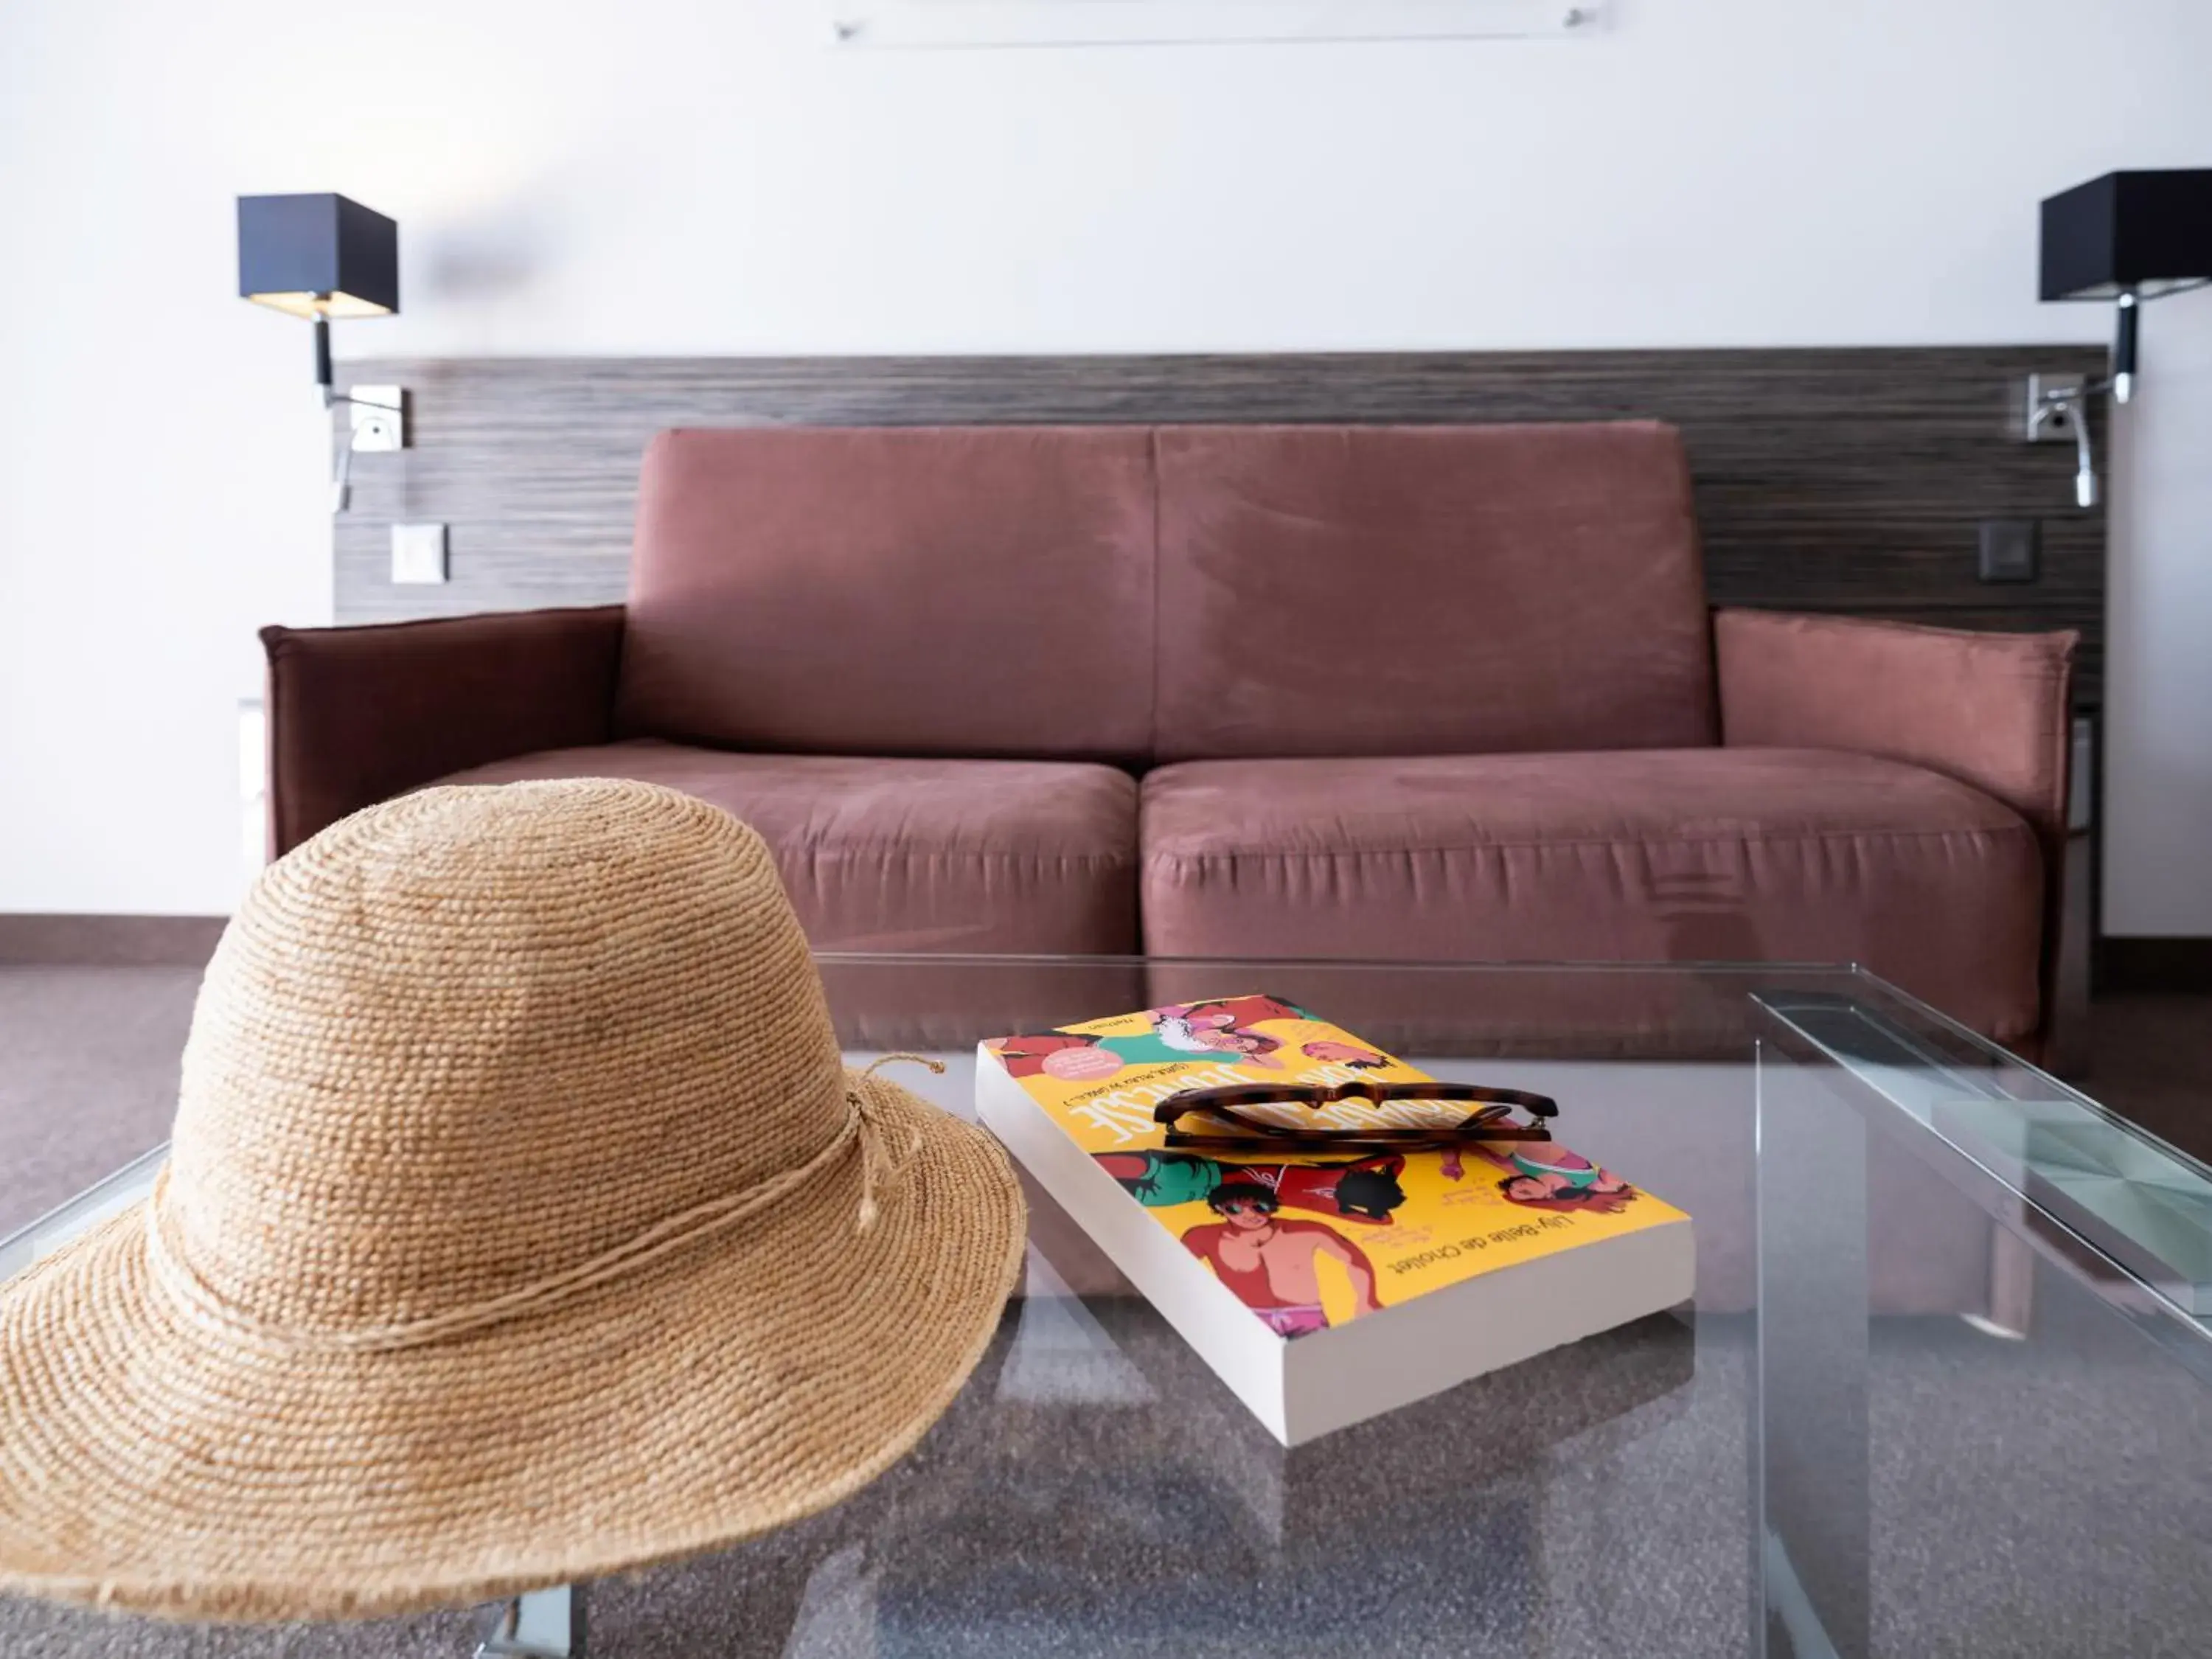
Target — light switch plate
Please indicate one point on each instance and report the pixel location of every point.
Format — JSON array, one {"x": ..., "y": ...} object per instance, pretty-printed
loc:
[
  {"x": 418, "y": 553},
  {"x": 2010, "y": 550}
]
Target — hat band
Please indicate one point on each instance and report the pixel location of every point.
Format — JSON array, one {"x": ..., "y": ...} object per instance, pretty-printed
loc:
[{"x": 212, "y": 1308}]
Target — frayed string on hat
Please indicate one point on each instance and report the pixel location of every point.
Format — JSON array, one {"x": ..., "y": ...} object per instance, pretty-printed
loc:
[
  {"x": 877, "y": 1164},
  {"x": 880, "y": 1168}
]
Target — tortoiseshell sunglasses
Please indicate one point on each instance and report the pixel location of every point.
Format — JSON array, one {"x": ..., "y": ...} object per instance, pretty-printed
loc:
[{"x": 1229, "y": 1101}]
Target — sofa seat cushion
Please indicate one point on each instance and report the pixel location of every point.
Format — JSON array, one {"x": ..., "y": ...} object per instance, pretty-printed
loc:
[
  {"x": 910, "y": 854},
  {"x": 1695, "y": 854}
]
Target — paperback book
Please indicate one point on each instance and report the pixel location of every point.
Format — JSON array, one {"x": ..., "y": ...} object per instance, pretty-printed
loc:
[{"x": 1324, "y": 1287}]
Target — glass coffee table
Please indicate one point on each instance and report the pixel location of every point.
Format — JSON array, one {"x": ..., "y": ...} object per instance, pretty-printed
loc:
[{"x": 1945, "y": 1387}]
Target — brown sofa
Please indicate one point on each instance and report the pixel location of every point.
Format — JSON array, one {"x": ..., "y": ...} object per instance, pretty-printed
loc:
[{"x": 1414, "y": 692}]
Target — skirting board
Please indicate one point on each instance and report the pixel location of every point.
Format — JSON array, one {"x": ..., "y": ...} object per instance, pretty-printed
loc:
[
  {"x": 2155, "y": 964},
  {"x": 73, "y": 941}
]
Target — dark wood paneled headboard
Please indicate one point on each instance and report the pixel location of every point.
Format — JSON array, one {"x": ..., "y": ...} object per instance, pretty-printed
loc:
[{"x": 1847, "y": 479}]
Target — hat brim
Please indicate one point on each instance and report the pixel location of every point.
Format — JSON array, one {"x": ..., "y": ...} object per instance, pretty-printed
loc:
[{"x": 730, "y": 1389}]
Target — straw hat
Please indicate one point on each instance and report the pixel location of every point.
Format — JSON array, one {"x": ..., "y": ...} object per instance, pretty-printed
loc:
[{"x": 522, "y": 1224}]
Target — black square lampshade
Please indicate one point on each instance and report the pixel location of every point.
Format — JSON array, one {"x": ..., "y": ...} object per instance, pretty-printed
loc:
[
  {"x": 318, "y": 256},
  {"x": 2151, "y": 231}
]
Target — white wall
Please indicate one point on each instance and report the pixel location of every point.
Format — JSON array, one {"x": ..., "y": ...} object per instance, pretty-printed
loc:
[{"x": 657, "y": 177}]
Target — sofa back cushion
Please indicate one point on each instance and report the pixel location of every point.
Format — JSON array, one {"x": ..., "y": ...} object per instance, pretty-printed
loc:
[
  {"x": 1168, "y": 592},
  {"x": 1350, "y": 590},
  {"x": 925, "y": 591}
]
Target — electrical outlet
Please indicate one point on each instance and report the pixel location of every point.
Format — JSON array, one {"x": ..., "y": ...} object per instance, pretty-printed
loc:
[
  {"x": 2009, "y": 550},
  {"x": 2051, "y": 405},
  {"x": 418, "y": 553},
  {"x": 377, "y": 418}
]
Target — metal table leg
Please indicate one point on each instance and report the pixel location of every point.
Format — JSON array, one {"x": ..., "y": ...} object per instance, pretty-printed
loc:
[{"x": 547, "y": 1624}]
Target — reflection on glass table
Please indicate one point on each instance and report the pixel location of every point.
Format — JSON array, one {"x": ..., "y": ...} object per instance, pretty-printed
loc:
[{"x": 1942, "y": 1389}]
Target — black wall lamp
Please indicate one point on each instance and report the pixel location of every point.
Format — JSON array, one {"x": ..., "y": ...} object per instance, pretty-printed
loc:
[
  {"x": 321, "y": 256},
  {"x": 2125, "y": 238}
]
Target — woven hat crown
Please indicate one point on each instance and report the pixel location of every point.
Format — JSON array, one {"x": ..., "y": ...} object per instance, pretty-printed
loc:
[{"x": 475, "y": 1037}]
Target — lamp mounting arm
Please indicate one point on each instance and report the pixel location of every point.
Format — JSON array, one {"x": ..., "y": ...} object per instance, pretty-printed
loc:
[{"x": 2123, "y": 348}]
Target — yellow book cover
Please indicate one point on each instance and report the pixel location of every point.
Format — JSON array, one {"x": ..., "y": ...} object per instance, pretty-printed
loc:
[{"x": 1311, "y": 1242}]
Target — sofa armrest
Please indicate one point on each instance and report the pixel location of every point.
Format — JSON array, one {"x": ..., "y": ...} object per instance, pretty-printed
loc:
[
  {"x": 357, "y": 715},
  {"x": 1989, "y": 710}
]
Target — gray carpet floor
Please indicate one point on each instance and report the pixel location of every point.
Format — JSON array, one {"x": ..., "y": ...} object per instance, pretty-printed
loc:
[
  {"x": 87, "y": 1075},
  {"x": 1063, "y": 1508}
]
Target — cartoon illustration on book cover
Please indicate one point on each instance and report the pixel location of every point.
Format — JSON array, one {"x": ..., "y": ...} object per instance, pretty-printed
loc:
[
  {"x": 1309, "y": 1242},
  {"x": 1549, "y": 1177},
  {"x": 1364, "y": 1188},
  {"x": 1172, "y": 1035},
  {"x": 1269, "y": 1260}
]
